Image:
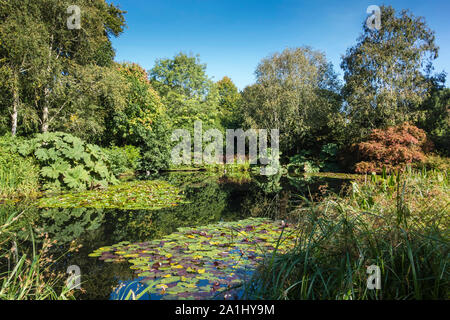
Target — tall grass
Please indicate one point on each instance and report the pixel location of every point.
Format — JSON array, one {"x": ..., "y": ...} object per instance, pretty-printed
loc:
[
  {"x": 27, "y": 274},
  {"x": 19, "y": 177},
  {"x": 397, "y": 222}
]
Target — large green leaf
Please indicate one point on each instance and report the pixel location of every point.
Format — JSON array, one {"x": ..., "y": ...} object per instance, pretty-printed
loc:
[
  {"x": 75, "y": 153},
  {"x": 41, "y": 154}
]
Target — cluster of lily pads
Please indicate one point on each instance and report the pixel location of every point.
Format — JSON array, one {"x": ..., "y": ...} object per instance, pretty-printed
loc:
[
  {"x": 133, "y": 195},
  {"x": 202, "y": 262}
]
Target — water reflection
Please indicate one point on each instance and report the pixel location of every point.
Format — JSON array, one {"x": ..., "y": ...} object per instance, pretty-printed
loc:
[{"x": 211, "y": 198}]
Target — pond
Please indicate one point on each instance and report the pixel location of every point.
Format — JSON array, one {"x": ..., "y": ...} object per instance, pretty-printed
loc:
[{"x": 129, "y": 249}]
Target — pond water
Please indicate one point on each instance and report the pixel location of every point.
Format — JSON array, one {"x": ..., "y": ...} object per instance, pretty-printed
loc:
[{"x": 211, "y": 197}]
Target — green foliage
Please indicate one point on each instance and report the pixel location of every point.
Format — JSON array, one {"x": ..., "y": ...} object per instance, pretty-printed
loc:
[
  {"x": 435, "y": 162},
  {"x": 388, "y": 73},
  {"x": 19, "y": 176},
  {"x": 397, "y": 223},
  {"x": 230, "y": 104},
  {"x": 304, "y": 162},
  {"x": 150, "y": 195},
  {"x": 123, "y": 160},
  {"x": 307, "y": 162},
  {"x": 53, "y": 72},
  {"x": 183, "y": 74},
  {"x": 435, "y": 119},
  {"x": 297, "y": 92},
  {"x": 187, "y": 92},
  {"x": 143, "y": 122},
  {"x": 328, "y": 157},
  {"x": 68, "y": 163}
]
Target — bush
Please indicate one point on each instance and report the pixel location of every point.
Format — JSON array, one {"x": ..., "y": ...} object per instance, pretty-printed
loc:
[
  {"x": 436, "y": 119},
  {"x": 67, "y": 162},
  {"x": 326, "y": 161},
  {"x": 392, "y": 148},
  {"x": 124, "y": 160},
  {"x": 304, "y": 162},
  {"x": 435, "y": 162},
  {"x": 19, "y": 176}
]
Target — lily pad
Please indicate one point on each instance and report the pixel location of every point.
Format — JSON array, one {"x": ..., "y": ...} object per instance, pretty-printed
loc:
[
  {"x": 134, "y": 195},
  {"x": 205, "y": 261}
]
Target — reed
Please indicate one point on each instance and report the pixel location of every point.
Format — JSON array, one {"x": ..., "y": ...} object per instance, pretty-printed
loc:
[{"x": 397, "y": 222}]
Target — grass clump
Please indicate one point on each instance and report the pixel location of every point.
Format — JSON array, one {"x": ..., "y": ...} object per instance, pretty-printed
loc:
[
  {"x": 19, "y": 176},
  {"x": 27, "y": 273},
  {"x": 397, "y": 222}
]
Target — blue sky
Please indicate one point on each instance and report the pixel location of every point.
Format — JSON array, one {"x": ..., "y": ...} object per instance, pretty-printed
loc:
[{"x": 233, "y": 36}]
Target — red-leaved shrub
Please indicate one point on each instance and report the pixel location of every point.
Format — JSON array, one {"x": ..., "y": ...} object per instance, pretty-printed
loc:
[{"x": 392, "y": 148}]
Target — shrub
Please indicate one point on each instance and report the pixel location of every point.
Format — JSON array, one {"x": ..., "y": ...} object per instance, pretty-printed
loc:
[
  {"x": 435, "y": 162},
  {"x": 67, "y": 162},
  {"x": 123, "y": 160},
  {"x": 19, "y": 176},
  {"x": 304, "y": 162},
  {"x": 326, "y": 161},
  {"x": 392, "y": 148},
  {"x": 435, "y": 119}
]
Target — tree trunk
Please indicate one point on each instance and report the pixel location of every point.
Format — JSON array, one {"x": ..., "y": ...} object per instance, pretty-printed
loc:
[
  {"x": 45, "y": 108},
  {"x": 14, "y": 113},
  {"x": 44, "y": 127},
  {"x": 14, "y": 120},
  {"x": 15, "y": 106}
]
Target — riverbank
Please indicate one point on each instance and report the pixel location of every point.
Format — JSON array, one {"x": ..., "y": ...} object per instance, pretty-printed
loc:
[{"x": 398, "y": 224}]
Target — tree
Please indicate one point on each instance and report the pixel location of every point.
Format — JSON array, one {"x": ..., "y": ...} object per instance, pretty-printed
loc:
[
  {"x": 388, "y": 73},
  {"x": 435, "y": 119},
  {"x": 187, "y": 91},
  {"x": 183, "y": 74},
  {"x": 46, "y": 62},
  {"x": 296, "y": 92},
  {"x": 392, "y": 148},
  {"x": 143, "y": 122},
  {"x": 230, "y": 102}
]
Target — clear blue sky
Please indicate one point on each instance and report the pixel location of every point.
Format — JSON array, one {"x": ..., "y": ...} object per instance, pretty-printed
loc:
[{"x": 232, "y": 36}]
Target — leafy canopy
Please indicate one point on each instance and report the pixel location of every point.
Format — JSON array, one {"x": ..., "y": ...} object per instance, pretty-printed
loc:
[
  {"x": 389, "y": 72},
  {"x": 296, "y": 92}
]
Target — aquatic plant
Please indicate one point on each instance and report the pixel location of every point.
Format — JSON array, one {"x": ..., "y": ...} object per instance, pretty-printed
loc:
[
  {"x": 133, "y": 195},
  {"x": 28, "y": 274},
  {"x": 202, "y": 262}
]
